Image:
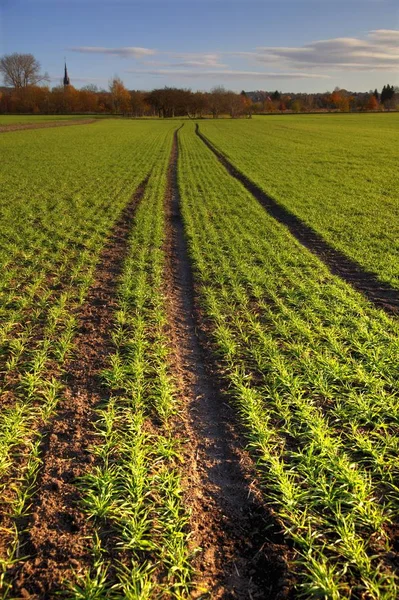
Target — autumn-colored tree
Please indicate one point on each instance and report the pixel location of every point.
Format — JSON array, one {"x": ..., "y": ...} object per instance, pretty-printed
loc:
[
  {"x": 120, "y": 96},
  {"x": 336, "y": 98},
  {"x": 139, "y": 104},
  {"x": 64, "y": 100},
  {"x": 372, "y": 103},
  {"x": 88, "y": 99},
  {"x": 269, "y": 106},
  {"x": 247, "y": 104},
  {"x": 344, "y": 104}
]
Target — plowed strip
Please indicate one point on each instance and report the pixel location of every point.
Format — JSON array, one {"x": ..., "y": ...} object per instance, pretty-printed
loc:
[
  {"x": 243, "y": 555},
  {"x": 379, "y": 293},
  {"x": 57, "y": 535},
  {"x": 21, "y": 126}
]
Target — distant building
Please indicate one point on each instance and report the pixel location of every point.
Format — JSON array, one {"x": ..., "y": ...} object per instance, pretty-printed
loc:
[{"x": 67, "y": 81}]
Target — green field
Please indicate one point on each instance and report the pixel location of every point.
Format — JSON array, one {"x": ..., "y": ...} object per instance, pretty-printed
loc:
[
  {"x": 313, "y": 372},
  {"x": 338, "y": 173},
  {"x": 306, "y": 365}
]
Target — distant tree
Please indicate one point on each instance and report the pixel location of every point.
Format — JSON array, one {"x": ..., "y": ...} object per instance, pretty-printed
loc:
[
  {"x": 64, "y": 99},
  {"x": 276, "y": 96},
  {"x": 21, "y": 70},
  {"x": 199, "y": 104},
  {"x": 282, "y": 106},
  {"x": 88, "y": 99},
  {"x": 217, "y": 101},
  {"x": 120, "y": 96},
  {"x": 32, "y": 99},
  {"x": 376, "y": 95},
  {"x": 234, "y": 104},
  {"x": 247, "y": 104},
  {"x": 336, "y": 98},
  {"x": 90, "y": 87},
  {"x": 138, "y": 102},
  {"x": 296, "y": 106},
  {"x": 387, "y": 94},
  {"x": 372, "y": 103},
  {"x": 269, "y": 106},
  {"x": 156, "y": 99}
]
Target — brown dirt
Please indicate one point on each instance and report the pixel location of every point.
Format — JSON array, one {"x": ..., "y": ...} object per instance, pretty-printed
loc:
[
  {"x": 243, "y": 554},
  {"x": 381, "y": 294},
  {"x": 21, "y": 126},
  {"x": 57, "y": 535}
]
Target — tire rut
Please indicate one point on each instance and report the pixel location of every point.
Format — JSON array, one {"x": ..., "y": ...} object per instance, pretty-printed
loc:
[
  {"x": 381, "y": 294},
  {"x": 56, "y": 536},
  {"x": 243, "y": 553}
]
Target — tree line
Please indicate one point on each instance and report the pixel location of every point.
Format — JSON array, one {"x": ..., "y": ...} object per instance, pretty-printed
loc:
[{"x": 26, "y": 90}]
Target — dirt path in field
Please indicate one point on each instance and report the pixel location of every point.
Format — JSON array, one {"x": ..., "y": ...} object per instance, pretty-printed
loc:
[
  {"x": 243, "y": 554},
  {"x": 379, "y": 293},
  {"x": 57, "y": 536},
  {"x": 21, "y": 126}
]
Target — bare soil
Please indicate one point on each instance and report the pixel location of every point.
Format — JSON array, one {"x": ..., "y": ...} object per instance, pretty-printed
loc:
[
  {"x": 243, "y": 553},
  {"x": 56, "y": 537},
  {"x": 381, "y": 294},
  {"x": 21, "y": 126}
]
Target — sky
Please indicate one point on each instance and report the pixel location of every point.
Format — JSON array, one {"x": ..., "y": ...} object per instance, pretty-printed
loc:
[{"x": 289, "y": 45}]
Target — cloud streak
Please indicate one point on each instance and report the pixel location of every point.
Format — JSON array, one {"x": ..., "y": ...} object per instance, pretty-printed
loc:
[
  {"x": 380, "y": 50},
  {"x": 125, "y": 52},
  {"x": 320, "y": 59},
  {"x": 226, "y": 74}
]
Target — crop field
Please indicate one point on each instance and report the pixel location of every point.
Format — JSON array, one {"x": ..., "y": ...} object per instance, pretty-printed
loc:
[
  {"x": 194, "y": 404},
  {"x": 338, "y": 173}
]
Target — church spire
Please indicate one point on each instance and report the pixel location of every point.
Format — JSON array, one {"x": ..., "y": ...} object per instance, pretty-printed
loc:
[{"x": 66, "y": 77}]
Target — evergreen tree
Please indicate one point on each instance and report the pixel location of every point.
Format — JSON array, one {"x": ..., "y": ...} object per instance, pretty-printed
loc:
[{"x": 387, "y": 93}]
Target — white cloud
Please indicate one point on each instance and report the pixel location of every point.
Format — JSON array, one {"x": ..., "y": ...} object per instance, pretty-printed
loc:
[
  {"x": 126, "y": 51},
  {"x": 380, "y": 50},
  {"x": 226, "y": 74},
  {"x": 198, "y": 59}
]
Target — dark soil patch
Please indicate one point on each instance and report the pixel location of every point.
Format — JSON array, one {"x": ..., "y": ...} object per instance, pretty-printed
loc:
[
  {"x": 21, "y": 126},
  {"x": 57, "y": 536},
  {"x": 380, "y": 294},
  {"x": 243, "y": 554},
  {"x": 392, "y": 557}
]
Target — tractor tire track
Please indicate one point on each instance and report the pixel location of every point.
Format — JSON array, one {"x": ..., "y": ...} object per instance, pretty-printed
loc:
[
  {"x": 57, "y": 536},
  {"x": 243, "y": 554},
  {"x": 381, "y": 294}
]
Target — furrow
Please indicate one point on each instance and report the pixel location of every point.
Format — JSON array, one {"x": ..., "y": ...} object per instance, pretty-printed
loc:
[
  {"x": 55, "y": 537},
  {"x": 243, "y": 554}
]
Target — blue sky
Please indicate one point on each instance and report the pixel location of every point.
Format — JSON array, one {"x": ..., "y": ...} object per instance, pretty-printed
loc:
[{"x": 290, "y": 45}]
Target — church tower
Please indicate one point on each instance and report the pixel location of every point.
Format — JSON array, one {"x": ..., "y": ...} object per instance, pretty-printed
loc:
[{"x": 66, "y": 77}]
